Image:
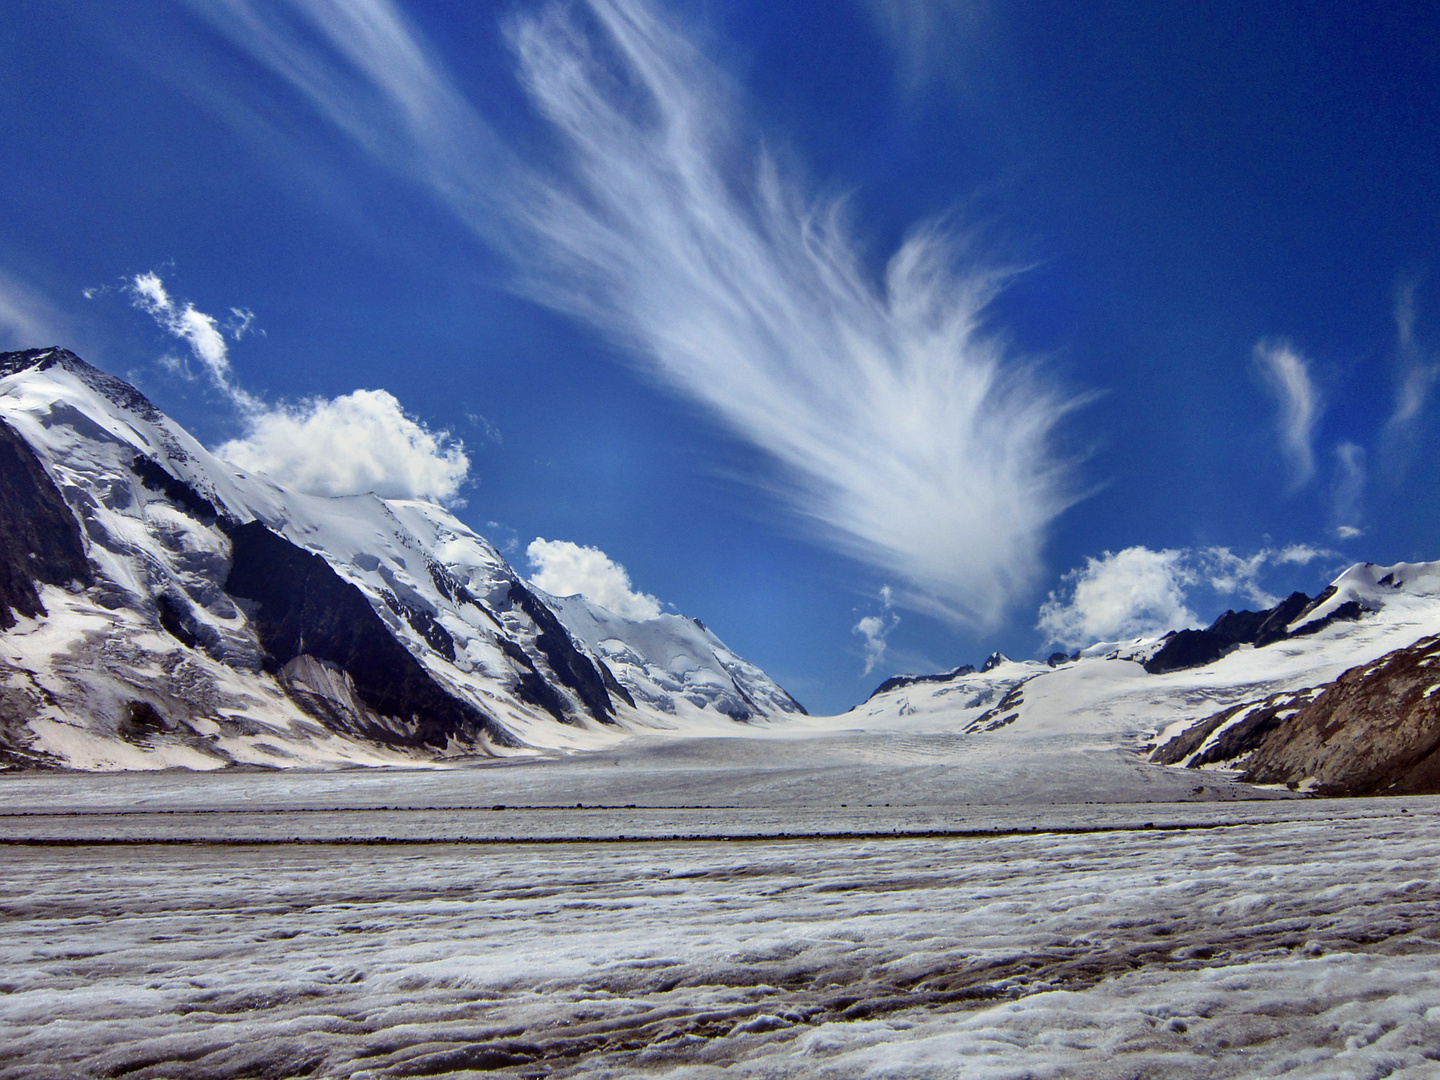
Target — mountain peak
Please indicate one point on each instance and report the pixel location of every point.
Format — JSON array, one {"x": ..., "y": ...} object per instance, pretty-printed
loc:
[{"x": 247, "y": 623}]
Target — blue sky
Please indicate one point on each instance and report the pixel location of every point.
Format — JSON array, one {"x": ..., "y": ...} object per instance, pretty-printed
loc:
[{"x": 877, "y": 334}]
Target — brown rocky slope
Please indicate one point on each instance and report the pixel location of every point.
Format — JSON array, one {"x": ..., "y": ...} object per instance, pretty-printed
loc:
[{"x": 1374, "y": 731}]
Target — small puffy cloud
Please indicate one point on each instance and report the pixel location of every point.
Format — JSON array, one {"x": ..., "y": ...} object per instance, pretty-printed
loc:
[
  {"x": 1301, "y": 554},
  {"x": 565, "y": 569},
  {"x": 1287, "y": 375},
  {"x": 1141, "y": 593},
  {"x": 1228, "y": 573},
  {"x": 1124, "y": 594},
  {"x": 875, "y": 629},
  {"x": 359, "y": 442}
]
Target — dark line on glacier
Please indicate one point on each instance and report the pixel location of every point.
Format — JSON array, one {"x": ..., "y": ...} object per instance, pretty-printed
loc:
[{"x": 728, "y": 838}]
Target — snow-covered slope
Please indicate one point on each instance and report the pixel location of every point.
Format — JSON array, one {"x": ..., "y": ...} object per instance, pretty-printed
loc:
[
  {"x": 1106, "y": 695},
  {"x": 198, "y": 616},
  {"x": 674, "y": 664}
]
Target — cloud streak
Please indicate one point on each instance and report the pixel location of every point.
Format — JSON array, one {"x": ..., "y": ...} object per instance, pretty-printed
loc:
[
  {"x": 1347, "y": 490},
  {"x": 201, "y": 332},
  {"x": 1418, "y": 375},
  {"x": 1287, "y": 376},
  {"x": 939, "y": 41},
  {"x": 27, "y": 319},
  {"x": 896, "y": 426}
]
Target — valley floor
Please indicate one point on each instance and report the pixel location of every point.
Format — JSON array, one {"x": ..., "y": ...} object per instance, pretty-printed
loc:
[{"x": 171, "y": 927}]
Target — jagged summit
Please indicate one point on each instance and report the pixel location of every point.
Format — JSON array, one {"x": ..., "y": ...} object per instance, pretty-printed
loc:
[{"x": 161, "y": 608}]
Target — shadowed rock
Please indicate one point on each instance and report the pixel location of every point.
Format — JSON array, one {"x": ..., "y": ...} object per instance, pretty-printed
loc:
[
  {"x": 1192, "y": 648},
  {"x": 40, "y": 541},
  {"x": 304, "y": 608}
]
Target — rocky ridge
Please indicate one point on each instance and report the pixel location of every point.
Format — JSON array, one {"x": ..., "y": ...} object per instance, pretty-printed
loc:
[
  {"x": 162, "y": 609},
  {"x": 1339, "y": 694}
]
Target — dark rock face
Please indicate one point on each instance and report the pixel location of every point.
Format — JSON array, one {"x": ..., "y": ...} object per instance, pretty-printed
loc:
[
  {"x": 424, "y": 624},
  {"x": 176, "y": 620},
  {"x": 1346, "y": 612},
  {"x": 1006, "y": 711},
  {"x": 1374, "y": 731},
  {"x": 897, "y": 681},
  {"x": 40, "y": 542},
  {"x": 570, "y": 665},
  {"x": 1281, "y": 616},
  {"x": 533, "y": 688},
  {"x": 1237, "y": 740},
  {"x": 155, "y": 477},
  {"x": 304, "y": 608},
  {"x": 1192, "y": 648}
]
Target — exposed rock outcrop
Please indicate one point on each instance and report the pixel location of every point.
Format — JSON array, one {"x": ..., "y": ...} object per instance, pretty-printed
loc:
[
  {"x": 40, "y": 541},
  {"x": 1374, "y": 731},
  {"x": 1192, "y": 648},
  {"x": 304, "y": 609}
]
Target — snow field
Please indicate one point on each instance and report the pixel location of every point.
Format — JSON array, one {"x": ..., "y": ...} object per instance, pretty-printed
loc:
[{"x": 1296, "y": 948}]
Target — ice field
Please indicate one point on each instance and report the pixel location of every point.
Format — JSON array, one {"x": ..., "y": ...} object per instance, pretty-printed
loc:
[{"x": 937, "y": 937}]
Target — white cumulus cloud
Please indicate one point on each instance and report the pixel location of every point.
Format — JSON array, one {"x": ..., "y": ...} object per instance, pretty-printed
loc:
[
  {"x": 361, "y": 441},
  {"x": 358, "y": 442},
  {"x": 1138, "y": 592},
  {"x": 1123, "y": 594},
  {"x": 565, "y": 569},
  {"x": 899, "y": 429},
  {"x": 1287, "y": 375}
]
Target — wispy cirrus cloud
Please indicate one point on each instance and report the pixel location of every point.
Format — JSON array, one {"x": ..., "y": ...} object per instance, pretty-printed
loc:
[
  {"x": 28, "y": 319},
  {"x": 201, "y": 332},
  {"x": 1287, "y": 376},
  {"x": 1417, "y": 376},
  {"x": 934, "y": 41},
  {"x": 897, "y": 426},
  {"x": 1347, "y": 489}
]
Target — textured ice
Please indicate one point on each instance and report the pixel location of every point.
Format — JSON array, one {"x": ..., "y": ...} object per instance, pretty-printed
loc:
[{"x": 1299, "y": 944}]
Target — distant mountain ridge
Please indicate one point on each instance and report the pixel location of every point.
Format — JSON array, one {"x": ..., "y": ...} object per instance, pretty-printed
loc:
[
  {"x": 1339, "y": 694},
  {"x": 161, "y": 608}
]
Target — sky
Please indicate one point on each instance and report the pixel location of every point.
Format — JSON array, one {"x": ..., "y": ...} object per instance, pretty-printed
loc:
[{"x": 877, "y": 334}]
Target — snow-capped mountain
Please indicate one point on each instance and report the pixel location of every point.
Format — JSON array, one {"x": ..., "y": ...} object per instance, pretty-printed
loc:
[
  {"x": 1338, "y": 694},
  {"x": 160, "y": 608}
]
